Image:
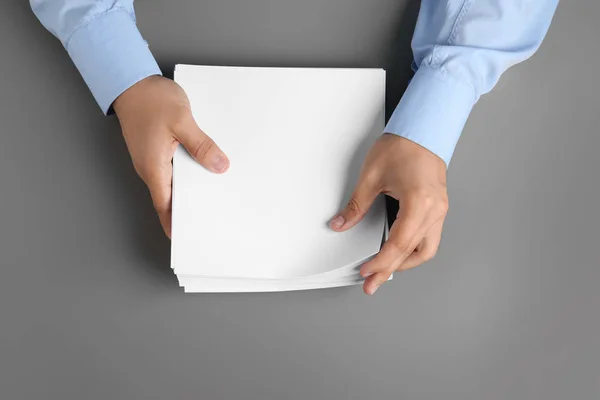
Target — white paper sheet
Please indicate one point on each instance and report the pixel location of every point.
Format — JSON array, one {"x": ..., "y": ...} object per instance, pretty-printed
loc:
[{"x": 296, "y": 139}]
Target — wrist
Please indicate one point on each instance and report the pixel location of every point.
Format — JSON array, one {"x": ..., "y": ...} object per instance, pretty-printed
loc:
[
  {"x": 408, "y": 147},
  {"x": 433, "y": 111},
  {"x": 134, "y": 94},
  {"x": 111, "y": 55}
]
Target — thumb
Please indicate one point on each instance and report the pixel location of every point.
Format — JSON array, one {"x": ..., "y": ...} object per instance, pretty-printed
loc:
[
  {"x": 204, "y": 150},
  {"x": 361, "y": 200}
]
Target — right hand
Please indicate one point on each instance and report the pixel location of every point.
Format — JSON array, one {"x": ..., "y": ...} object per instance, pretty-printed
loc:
[{"x": 155, "y": 116}]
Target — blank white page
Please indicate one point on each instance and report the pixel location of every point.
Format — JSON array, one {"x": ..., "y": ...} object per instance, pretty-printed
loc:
[{"x": 296, "y": 139}]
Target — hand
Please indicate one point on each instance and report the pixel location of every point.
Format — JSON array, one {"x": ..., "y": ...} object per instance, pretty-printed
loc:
[
  {"x": 417, "y": 179},
  {"x": 155, "y": 117}
]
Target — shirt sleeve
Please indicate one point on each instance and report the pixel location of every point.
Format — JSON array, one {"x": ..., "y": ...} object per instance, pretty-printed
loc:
[
  {"x": 103, "y": 41},
  {"x": 461, "y": 47}
]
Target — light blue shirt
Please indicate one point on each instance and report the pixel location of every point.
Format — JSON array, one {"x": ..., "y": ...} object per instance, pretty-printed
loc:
[{"x": 461, "y": 47}]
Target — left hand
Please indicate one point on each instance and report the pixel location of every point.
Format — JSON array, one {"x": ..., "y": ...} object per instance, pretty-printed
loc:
[{"x": 414, "y": 176}]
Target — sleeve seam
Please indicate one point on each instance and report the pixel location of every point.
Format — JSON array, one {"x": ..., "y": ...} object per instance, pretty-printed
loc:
[
  {"x": 453, "y": 32},
  {"x": 86, "y": 23},
  {"x": 459, "y": 18}
]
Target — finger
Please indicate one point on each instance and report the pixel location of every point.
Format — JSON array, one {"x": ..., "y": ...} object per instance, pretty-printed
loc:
[
  {"x": 423, "y": 251},
  {"x": 426, "y": 250},
  {"x": 204, "y": 150},
  {"x": 391, "y": 256},
  {"x": 406, "y": 233},
  {"x": 361, "y": 200},
  {"x": 373, "y": 282},
  {"x": 159, "y": 183}
]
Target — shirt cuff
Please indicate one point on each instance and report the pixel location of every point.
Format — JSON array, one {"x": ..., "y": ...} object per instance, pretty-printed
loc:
[
  {"x": 433, "y": 111},
  {"x": 111, "y": 55}
]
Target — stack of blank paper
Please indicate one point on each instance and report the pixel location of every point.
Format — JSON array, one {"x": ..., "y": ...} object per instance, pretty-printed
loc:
[{"x": 296, "y": 139}]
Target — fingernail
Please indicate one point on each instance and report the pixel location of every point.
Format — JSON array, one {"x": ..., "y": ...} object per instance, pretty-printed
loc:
[
  {"x": 220, "y": 163},
  {"x": 366, "y": 274},
  {"x": 337, "y": 222},
  {"x": 373, "y": 290}
]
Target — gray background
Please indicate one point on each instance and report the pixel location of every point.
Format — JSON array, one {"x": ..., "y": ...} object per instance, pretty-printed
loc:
[{"x": 89, "y": 308}]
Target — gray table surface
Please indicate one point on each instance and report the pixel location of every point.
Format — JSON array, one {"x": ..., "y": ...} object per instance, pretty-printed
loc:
[{"x": 89, "y": 308}]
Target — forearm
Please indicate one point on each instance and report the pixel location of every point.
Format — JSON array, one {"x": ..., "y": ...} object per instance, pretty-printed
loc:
[
  {"x": 461, "y": 48},
  {"x": 102, "y": 40}
]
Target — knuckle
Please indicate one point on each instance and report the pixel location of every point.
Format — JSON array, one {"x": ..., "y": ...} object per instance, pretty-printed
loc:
[
  {"x": 444, "y": 205},
  {"x": 428, "y": 255},
  {"x": 400, "y": 248},
  {"x": 426, "y": 198},
  {"x": 202, "y": 148},
  {"x": 430, "y": 201},
  {"x": 440, "y": 209},
  {"x": 353, "y": 206}
]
